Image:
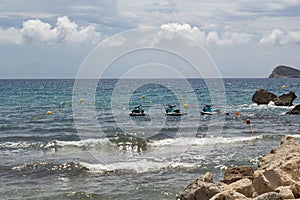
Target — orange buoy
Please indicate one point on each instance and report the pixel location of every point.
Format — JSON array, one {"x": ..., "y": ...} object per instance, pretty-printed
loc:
[
  {"x": 237, "y": 113},
  {"x": 247, "y": 121},
  {"x": 81, "y": 100},
  {"x": 143, "y": 97}
]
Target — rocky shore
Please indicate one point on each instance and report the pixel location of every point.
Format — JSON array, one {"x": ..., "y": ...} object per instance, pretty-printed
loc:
[{"x": 277, "y": 177}]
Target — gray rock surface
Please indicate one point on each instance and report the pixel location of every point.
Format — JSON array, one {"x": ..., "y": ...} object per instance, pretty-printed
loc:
[
  {"x": 262, "y": 96},
  {"x": 285, "y": 99},
  {"x": 295, "y": 110}
]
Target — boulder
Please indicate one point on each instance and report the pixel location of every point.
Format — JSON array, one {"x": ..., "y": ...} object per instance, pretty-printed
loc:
[
  {"x": 295, "y": 110},
  {"x": 262, "y": 96},
  {"x": 243, "y": 186},
  {"x": 236, "y": 173},
  {"x": 201, "y": 189},
  {"x": 229, "y": 195},
  {"x": 269, "y": 196},
  {"x": 285, "y": 99},
  {"x": 285, "y": 192},
  {"x": 260, "y": 183}
]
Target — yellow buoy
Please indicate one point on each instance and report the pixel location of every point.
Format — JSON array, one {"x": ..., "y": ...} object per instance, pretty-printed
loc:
[
  {"x": 49, "y": 112},
  {"x": 81, "y": 100},
  {"x": 186, "y": 106},
  {"x": 283, "y": 86},
  {"x": 143, "y": 97}
]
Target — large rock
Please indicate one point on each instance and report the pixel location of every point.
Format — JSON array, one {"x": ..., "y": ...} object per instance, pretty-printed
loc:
[
  {"x": 202, "y": 188},
  {"x": 285, "y": 192},
  {"x": 270, "y": 196},
  {"x": 285, "y": 72},
  {"x": 243, "y": 186},
  {"x": 236, "y": 173},
  {"x": 285, "y": 99},
  {"x": 295, "y": 110},
  {"x": 229, "y": 195},
  {"x": 262, "y": 96}
]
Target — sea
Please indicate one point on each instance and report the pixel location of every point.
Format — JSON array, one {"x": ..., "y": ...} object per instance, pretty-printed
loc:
[{"x": 59, "y": 142}]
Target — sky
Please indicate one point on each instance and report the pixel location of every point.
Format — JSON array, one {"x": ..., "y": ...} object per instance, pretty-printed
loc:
[{"x": 51, "y": 39}]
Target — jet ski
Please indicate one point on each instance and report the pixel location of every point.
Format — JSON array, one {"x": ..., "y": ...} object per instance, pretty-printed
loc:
[
  {"x": 173, "y": 110},
  {"x": 208, "y": 110},
  {"x": 137, "y": 111}
]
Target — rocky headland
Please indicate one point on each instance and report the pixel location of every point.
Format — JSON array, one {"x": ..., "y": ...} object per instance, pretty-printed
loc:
[
  {"x": 277, "y": 177},
  {"x": 285, "y": 72}
]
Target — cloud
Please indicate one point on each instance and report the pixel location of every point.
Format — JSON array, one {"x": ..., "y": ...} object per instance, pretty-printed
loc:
[
  {"x": 278, "y": 36},
  {"x": 186, "y": 29},
  {"x": 212, "y": 37},
  {"x": 37, "y": 31}
]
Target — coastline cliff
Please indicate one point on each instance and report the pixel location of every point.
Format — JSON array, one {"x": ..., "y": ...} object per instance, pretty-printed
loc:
[{"x": 285, "y": 72}]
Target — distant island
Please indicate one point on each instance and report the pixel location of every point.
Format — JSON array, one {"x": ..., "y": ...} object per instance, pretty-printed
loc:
[{"x": 285, "y": 72}]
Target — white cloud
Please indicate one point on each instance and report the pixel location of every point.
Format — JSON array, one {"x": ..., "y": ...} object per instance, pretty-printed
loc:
[
  {"x": 212, "y": 37},
  {"x": 10, "y": 36},
  {"x": 37, "y": 31},
  {"x": 186, "y": 29},
  {"x": 278, "y": 36}
]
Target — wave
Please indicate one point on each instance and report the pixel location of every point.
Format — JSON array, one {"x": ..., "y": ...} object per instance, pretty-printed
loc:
[
  {"x": 263, "y": 106},
  {"x": 48, "y": 168},
  {"x": 118, "y": 143},
  {"x": 141, "y": 166},
  {"x": 202, "y": 141}
]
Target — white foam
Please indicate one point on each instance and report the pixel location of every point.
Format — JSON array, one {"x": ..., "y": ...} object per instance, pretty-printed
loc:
[
  {"x": 15, "y": 145},
  {"x": 140, "y": 166},
  {"x": 80, "y": 143},
  {"x": 183, "y": 141}
]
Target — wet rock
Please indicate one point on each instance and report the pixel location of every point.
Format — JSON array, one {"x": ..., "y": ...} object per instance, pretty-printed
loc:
[
  {"x": 262, "y": 96},
  {"x": 285, "y": 99},
  {"x": 295, "y": 110},
  {"x": 236, "y": 173}
]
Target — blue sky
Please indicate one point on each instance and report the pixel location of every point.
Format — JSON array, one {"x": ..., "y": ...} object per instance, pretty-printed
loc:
[{"x": 50, "y": 39}]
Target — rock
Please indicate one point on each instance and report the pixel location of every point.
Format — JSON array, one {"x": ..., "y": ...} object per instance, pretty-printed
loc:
[
  {"x": 285, "y": 72},
  {"x": 296, "y": 190},
  {"x": 236, "y": 173},
  {"x": 269, "y": 196},
  {"x": 243, "y": 186},
  {"x": 201, "y": 189},
  {"x": 229, "y": 195},
  {"x": 262, "y": 96},
  {"x": 285, "y": 192},
  {"x": 260, "y": 183},
  {"x": 295, "y": 110},
  {"x": 285, "y": 99}
]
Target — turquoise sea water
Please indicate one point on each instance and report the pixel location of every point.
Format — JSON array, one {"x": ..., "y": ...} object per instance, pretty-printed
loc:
[{"x": 46, "y": 156}]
